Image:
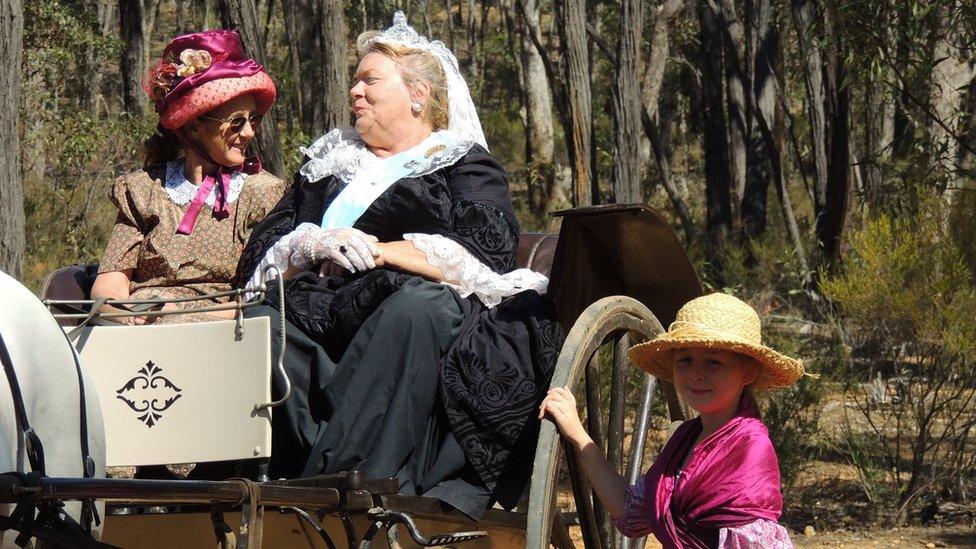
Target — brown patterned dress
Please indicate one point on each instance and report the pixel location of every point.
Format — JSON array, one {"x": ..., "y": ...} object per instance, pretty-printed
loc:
[{"x": 167, "y": 265}]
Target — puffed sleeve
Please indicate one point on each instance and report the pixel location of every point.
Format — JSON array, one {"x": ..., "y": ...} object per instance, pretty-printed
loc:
[
  {"x": 761, "y": 533},
  {"x": 122, "y": 250},
  {"x": 482, "y": 218},
  {"x": 636, "y": 520},
  {"x": 261, "y": 193}
]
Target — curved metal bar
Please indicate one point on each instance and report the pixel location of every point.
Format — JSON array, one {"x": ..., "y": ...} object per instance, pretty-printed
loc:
[
  {"x": 148, "y": 301},
  {"x": 280, "y": 366},
  {"x": 308, "y": 518},
  {"x": 137, "y": 305},
  {"x": 223, "y": 307},
  {"x": 388, "y": 518},
  {"x": 350, "y": 529}
]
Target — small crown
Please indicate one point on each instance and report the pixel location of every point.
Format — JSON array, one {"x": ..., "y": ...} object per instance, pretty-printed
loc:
[{"x": 402, "y": 33}]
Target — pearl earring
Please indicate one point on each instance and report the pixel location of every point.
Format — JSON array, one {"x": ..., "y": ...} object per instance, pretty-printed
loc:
[{"x": 416, "y": 107}]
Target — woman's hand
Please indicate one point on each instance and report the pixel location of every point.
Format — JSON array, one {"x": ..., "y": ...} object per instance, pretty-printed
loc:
[
  {"x": 128, "y": 320},
  {"x": 349, "y": 248},
  {"x": 115, "y": 285},
  {"x": 560, "y": 405}
]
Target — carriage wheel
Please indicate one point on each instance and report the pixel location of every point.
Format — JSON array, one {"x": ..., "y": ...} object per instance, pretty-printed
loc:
[{"x": 614, "y": 322}]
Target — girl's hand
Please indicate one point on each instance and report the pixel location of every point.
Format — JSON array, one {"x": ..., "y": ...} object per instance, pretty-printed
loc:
[{"x": 560, "y": 405}]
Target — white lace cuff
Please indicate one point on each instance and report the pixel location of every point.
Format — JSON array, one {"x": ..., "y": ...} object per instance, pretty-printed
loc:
[
  {"x": 278, "y": 255},
  {"x": 469, "y": 276}
]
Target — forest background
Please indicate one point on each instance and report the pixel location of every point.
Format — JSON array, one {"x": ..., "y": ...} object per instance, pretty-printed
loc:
[{"x": 816, "y": 157}]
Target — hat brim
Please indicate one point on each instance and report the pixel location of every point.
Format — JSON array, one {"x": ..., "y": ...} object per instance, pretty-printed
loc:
[
  {"x": 210, "y": 95},
  {"x": 657, "y": 357}
]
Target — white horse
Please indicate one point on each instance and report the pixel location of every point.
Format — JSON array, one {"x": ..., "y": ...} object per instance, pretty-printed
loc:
[{"x": 46, "y": 371}]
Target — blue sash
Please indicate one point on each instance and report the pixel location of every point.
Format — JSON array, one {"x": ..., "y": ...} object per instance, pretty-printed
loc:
[{"x": 357, "y": 196}]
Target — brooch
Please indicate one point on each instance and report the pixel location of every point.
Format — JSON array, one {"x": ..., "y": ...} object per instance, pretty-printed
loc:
[{"x": 434, "y": 150}]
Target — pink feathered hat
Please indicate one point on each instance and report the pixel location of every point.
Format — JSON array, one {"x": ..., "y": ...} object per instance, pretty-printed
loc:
[{"x": 201, "y": 71}]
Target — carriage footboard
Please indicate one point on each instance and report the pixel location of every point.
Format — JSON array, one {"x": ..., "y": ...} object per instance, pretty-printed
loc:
[{"x": 343, "y": 495}]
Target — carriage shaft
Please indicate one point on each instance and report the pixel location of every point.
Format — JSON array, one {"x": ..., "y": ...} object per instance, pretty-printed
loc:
[{"x": 168, "y": 491}]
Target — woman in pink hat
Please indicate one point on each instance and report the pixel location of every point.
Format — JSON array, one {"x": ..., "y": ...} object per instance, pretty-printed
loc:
[{"x": 184, "y": 218}]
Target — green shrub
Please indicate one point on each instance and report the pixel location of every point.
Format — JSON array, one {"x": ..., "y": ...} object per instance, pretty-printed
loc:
[{"x": 905, "y": 303}]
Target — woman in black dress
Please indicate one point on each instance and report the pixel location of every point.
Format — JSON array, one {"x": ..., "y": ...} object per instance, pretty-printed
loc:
[{"x": 415, "y": 347}]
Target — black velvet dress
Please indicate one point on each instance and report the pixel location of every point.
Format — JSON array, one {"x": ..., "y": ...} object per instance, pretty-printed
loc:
[{"x": 398, "y": 376}]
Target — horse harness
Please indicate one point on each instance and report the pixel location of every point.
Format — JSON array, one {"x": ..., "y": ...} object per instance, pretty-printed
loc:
[{"x": 47, "y": 519}]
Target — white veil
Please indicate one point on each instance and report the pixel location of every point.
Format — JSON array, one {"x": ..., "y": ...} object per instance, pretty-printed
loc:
[{"x": 463, "y": 119}]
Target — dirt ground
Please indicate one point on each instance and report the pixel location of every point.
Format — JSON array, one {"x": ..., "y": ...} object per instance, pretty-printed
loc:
[{"x": 936, "y": 536}]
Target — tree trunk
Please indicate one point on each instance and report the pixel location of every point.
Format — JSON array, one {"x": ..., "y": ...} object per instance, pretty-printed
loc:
[
  {"x": 832, "y": 218},
  {"x": 242, "y": 16},
  {"x": 904, "y": 128},
  {"x": 953, "y": 70},
  {"x": 207, "y": 14},
  {"x": 449, "y": 20},
  {"x": 875, "y": 145},
  {"x": 11, "y": 193},
  {"x": 967, "y": 159},
  {"x": 335, "y": 70},
  {"x": 91, "y": 95},
  {"x": 181, "y": 25},
  {"x": 292, "y": 21},
  {"x": 536, "y": 99},
  {"x": 737, "y": 82},
  {"x": 303, "y": 28},
  {"x": 651, "y": 82},
  {"x": 471, "y": 28},
  {"x": 828, "y": 101},
  {"x": 132, "y": 24},
  {"x": 763, "y": 45},
  {"x": 627, "y": 104},
  {"x": 771, "y": 126},
  {"x": 718, "y": 179},
  {"x": 805, "y": 18},
  {"x": 572, "y": 26}
]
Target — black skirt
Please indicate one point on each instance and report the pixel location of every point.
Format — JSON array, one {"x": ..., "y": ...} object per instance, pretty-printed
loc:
[{"x": 377, "y": 408}]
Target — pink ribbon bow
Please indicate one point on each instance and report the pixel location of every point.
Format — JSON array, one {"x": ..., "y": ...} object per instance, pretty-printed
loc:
[{"x": 222, "y": 180}]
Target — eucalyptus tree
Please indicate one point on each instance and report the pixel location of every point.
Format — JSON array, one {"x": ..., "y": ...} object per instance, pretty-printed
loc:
[{"x": 11, "y": 193}]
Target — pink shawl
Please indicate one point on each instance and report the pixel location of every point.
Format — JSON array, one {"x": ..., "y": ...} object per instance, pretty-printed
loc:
[{"x": 731, "y": 479}]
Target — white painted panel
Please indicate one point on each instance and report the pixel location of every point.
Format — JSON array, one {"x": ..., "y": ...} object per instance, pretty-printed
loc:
[{"x": 182, "y": 393}]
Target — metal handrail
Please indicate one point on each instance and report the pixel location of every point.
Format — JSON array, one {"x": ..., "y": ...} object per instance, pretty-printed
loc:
[
  {"x": 231, "y": 305},
  {"x": 283, "y": 340}
]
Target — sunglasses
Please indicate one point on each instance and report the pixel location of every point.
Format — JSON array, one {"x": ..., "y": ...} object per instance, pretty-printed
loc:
[{"x": 237, "y": 122}]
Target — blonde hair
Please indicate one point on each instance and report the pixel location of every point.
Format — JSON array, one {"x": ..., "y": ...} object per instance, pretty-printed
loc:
[{"x": 416, "y": 67}]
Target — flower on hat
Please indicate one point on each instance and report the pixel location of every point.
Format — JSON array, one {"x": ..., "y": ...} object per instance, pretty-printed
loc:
[
  {"x": 194, "y": 61},
  {"x": 163, "y": 77},
  {"x": 167, "y": 74}
]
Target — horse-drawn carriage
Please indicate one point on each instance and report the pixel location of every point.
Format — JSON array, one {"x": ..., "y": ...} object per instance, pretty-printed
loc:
[{"x": 201, "y": 393}]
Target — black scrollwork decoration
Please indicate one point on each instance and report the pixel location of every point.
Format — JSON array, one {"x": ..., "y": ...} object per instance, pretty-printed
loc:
[{"x": 149, "y": 393}]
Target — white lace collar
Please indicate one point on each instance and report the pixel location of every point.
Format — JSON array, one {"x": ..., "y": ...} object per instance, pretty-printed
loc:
[
  {"x": 343, "y": 153},
  {"x": 181, "y": 191}
]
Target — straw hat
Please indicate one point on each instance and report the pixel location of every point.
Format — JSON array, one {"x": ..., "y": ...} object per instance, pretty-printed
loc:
[{"x": 717, "y": 321}]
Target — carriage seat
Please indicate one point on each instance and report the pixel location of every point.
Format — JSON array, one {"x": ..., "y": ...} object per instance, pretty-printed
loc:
[
  {"x": 535, "y": 251},
  {"x": 154, "y": 389}
]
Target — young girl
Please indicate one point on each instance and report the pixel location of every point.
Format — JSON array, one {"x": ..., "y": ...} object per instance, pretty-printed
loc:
[{"x": 716, "y": 482}]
